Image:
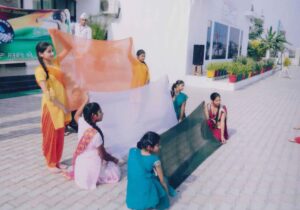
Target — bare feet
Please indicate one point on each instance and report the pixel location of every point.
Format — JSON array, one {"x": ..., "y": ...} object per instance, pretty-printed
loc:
[
  {"x": 54, "y": 170},
  {"x": 121, "y": 162},
  {"x": 67, "y": 175},
  {"x": 223, "y": 140},
  {"x": 62, "y": 166}
]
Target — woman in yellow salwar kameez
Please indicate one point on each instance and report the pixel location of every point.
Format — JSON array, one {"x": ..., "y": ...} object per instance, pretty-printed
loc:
[
  {"x": 54, "y": 104},
  {"x": 140, "y": 75}
]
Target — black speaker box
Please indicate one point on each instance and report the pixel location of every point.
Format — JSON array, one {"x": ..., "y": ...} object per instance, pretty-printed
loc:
[{"x": 198, "y": 55}]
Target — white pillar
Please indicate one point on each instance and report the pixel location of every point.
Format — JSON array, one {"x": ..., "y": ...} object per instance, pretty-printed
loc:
[{"x": 28, "y": 4}]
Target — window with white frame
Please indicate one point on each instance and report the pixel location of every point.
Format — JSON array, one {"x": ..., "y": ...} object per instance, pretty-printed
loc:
[
  {"x": 12, "y": 3},
  {"x": 219, "y": 41},
  {"x": 57, "y": 4},
  {"x": 218, "y": 37},
  {"x": 241, "y": 43},
  {"x": 208, "y": 37}
]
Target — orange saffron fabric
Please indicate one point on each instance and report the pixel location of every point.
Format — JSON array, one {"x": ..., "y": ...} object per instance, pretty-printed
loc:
[
  {"x": 53, "y": 139},
  {"x": 96, "y": 65}
]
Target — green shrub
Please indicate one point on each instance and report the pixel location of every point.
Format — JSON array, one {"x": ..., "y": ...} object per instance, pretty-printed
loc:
[
  {"x": 98, "y": 32},
  {"x": 242, "y": 69},
  {"x": 256, "y": 49},
  {"x": 270, "y": 62},
  {"x": 249, "y": 67},
  {"x": 211, "y": 67},
  {"x": 258, "y": 66},
  {"x": 233, "y": 68},
  {"x": 241, "y": 59}
]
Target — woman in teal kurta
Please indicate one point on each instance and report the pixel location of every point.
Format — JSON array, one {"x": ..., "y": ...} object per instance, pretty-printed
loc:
[
  {"x": 179, "y": 99},
  {"x": 146, "y": 187}
]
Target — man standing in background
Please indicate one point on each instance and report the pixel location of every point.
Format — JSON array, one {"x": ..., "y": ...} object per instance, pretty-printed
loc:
[{"x": 81, "y": 29}]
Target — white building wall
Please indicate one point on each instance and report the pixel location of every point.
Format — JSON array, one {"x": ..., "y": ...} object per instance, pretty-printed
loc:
[
  {"x": 28, "y": 4},
  {"x": 91, "y": 7},
  {"x": 161, "y": 29},
  {"x": 228, "y": 12},
  {"x": 168, "y": 29}
]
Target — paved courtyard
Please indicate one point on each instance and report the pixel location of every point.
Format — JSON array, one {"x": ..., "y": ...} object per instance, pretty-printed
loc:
[{"x": 257, "y": 169}]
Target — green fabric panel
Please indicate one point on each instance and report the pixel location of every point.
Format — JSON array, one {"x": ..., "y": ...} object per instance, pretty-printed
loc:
[
  {"x": 20, "y": 93},
  {"x": 185, "y": 146},
  {"x": 23, "y": 45}
]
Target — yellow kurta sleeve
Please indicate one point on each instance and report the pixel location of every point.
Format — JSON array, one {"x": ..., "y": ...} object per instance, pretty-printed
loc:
[
  {"x": 53, "y": 83},
  {"x": 147, "y": 76},
  {"x": 40, "y": 74}
]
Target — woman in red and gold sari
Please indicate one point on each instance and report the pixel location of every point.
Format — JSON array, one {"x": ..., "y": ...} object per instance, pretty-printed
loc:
[
  {"x": 54, "y": 104},
  {"x": 216, "y": 115}
]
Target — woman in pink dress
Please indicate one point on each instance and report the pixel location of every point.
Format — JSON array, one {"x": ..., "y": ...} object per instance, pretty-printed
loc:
[
  {"x": 92, "y": 164},
  {"x": 216, "y": 115}
]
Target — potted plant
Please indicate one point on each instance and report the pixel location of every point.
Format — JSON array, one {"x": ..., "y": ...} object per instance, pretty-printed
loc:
[
  {"x": 241, "y": 59},
  {"x": 264, "y": 67},
  {"x": 211, "y": 68},
  {"x": 224, "y": 68},
  {"x": 258, "y": 67},
  {"x": 232, "y": 69},
  {"x": 249, "y": 69},
  {"x": 218, "y": 67},
  {"x": 250, "y": 66},
  {"x": 217, "y": 72},
  {"x": 270, "y": 64},
  {"x": 98, "y": 32},
  {"x": 242, "y": 71}
]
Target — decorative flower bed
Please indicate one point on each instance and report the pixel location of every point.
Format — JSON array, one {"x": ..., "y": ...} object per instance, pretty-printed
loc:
[
  {"x": 240, "y": 69},
  {"x": 217, "y": 70}
]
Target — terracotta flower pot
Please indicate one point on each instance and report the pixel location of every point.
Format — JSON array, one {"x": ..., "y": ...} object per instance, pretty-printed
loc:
[
  {"x": 232, "y": 78},
  {"x": 217, "y": 73}
]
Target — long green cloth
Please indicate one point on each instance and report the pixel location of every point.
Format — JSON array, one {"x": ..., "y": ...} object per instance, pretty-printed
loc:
[{"x": 185, "y": 146}]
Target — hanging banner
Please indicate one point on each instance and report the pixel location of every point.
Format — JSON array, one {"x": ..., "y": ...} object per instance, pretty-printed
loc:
[{"x": 21, "y": 30}]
